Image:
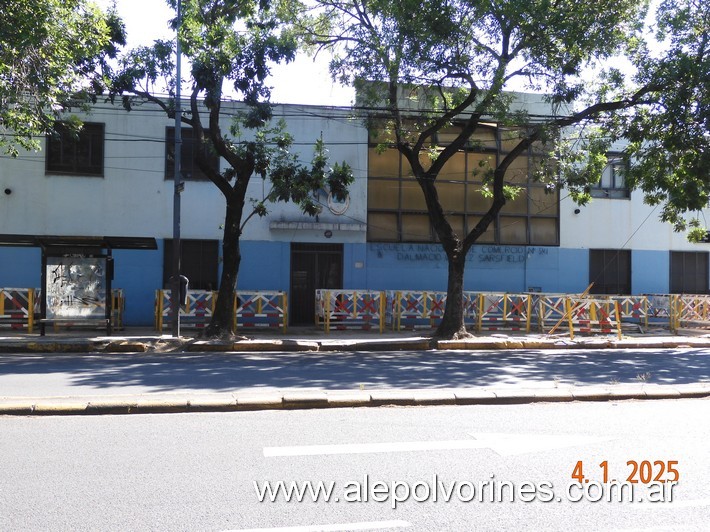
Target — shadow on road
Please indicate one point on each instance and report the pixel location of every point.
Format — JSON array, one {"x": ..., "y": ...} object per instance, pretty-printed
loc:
[{"x": 333, "y": 371}]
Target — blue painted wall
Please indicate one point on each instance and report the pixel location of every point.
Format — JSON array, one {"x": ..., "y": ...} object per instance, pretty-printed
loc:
[
  {"x": 140, "y": 274},
  {"x": 573, "y": 273},
  {"x": 650, "y": 272},
  {"x": 266, "y": 266},
  {"x": 354, "y": 266},
  {"x": 488, "y": 268},
  {"x": 20, "y": 267}
]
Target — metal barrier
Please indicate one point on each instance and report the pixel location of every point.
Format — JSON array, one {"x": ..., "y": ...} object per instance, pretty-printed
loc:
[
  {"x": 632, "y": 310},
  {"x": 416, "y": 310},
  {"x": 692, "y": 311},
  {"x": 350, "y": 309},
  {"x": 195, "y": 314},
  {"x": 252, "y": 309},
  {"x": 593, "y": 316},
  {"x": 663, "y": 310},
  {"x": 410, "y": 310},
  {"x": 504, "y": 312},
  {"x": 551, "y": 311},
  {"x": 15, "y": 305},
  {"x": 262, "y": 309}
]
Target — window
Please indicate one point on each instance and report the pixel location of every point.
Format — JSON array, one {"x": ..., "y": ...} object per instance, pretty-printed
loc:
[
  {"x": 397, "y": 210},
  {"x": 613, "y": 181},
  {"x": 198, "y": 262},
  {"x": 73, "y": 151},
  {"x": 610, "y": 271},
  {"x": 689, "y": 272},
  {"x": 188, "y": 162}
]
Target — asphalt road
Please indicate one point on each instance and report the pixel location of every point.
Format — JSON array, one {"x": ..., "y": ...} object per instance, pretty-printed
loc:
[
  {"x": 27, "y": 375},
  {"x": 197, "y": 471}
]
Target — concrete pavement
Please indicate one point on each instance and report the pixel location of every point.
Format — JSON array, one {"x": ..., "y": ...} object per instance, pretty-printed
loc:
[{"x": 310, "y": 340}]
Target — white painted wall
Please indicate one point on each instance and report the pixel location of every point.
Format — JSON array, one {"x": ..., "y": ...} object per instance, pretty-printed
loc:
[
  {"x": 134, "y": 199},
  {"x": 620, "y": 223}
]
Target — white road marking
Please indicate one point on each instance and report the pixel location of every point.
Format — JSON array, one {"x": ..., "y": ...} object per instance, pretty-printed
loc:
[
  {"x": 365, "y": 525},
  {"x": 363, "y": 448},
  {"x": 503, "y": 444}
]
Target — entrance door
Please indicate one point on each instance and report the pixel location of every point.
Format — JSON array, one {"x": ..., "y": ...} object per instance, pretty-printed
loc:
[{"x": 313, "y": 266}]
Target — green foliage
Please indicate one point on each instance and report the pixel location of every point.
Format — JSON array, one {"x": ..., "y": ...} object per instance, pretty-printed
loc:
[
  {"x": 421, "y": 66},
  {"x": 292, "y": 181},
  {"x": 669, "y": 135},
  {"x": 52, "y": 57},
  {"x": 452, "y": 62},
  {"x": 581, "y": 158},
  {"x": 697, "y": 235},
  {"x": 231, "y": 42},
  {"x": 428, "y": 65},
  {"x": 236, "y": 43}
]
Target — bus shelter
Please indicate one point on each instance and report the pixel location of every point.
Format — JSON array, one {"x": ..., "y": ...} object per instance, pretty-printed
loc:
[{"x": 76, "y": 275}]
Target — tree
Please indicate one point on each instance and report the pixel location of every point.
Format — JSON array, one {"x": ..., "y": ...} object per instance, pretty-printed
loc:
[
  {"x": 668, "y": 138},
  {"x": 235, "y": 42},
  {"x": 52, "y": 53},
  {"x": 430, "y": 66}
]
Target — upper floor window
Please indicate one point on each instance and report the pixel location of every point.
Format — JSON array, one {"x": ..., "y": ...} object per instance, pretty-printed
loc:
[
  {"x": 613, "y": 181},
  {"x": 397, "y": 210},
  {"x": 73, "y": 151},
  {"x": 188, "y": 162}
]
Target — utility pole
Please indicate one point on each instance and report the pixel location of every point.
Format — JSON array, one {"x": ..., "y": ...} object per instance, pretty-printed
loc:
[{"x": 179, "y": 186}]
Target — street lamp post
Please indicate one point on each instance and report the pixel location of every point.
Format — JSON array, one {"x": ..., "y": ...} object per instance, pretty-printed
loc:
[{"x": 178, "y": 187}]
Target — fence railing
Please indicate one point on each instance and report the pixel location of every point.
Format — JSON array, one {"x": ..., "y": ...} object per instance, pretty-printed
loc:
[
  {"x": 410, "y": 310},
  {"x": 663, "y": 310},
  {"x": 692, "y": 311},
  {"x": 504, "y": 312},
  {"x": 549, "y": 312},
  {"x": 405, "y": 310},
  {"x": 252, "y": 309},
  {"x": 593, "y": 316},
  {"x": 15, "y": 313},
  {"x": 350, "y": 309},
  {"x": 17, "y": 308}
]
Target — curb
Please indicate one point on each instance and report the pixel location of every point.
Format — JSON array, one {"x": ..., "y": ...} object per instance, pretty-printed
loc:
[
  {"x": 307, "y": 400},
  {"x": 296, "y": 346}
]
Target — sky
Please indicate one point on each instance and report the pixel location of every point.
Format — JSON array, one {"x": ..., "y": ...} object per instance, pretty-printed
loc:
[
  {"x": 301, "y": 82},
  {"x": 305, "y": 81}
]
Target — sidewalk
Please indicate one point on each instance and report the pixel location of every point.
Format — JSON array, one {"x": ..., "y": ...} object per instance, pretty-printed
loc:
[
  {"x": 304, "y": 339},
  {"x": 310, "y": 392}
]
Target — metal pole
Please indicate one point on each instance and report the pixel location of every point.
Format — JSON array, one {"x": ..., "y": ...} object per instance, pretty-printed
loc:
[{"x": 175, "y": 288}]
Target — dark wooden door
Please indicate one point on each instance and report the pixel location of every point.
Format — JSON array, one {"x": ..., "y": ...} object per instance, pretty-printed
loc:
[{"x": 313, "y": 266}]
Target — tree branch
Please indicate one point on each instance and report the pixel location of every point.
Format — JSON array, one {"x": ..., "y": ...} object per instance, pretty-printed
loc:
[{"x": 198, "y": 133}]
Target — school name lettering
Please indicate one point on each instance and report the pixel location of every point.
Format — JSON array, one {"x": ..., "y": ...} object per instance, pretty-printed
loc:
[
  {"x": 501, "y": 254},
  {"x": 412, "y": 252},
  {"x": 489, "y": 254}
]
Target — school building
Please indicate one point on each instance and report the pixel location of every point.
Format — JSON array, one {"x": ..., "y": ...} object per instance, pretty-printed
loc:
[{"x": 115, "y": 179}]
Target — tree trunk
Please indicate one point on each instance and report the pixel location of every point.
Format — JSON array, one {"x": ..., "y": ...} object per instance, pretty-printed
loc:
[
  {"x": 452, "y": 325},
  {"x": 222, "y": 322}
]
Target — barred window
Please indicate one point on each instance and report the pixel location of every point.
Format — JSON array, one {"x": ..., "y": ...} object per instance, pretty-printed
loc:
[
  {"x": 72, "y": 151},
  {"x": 188, "y": 163},
  {"x": 613, "y": 182}
]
